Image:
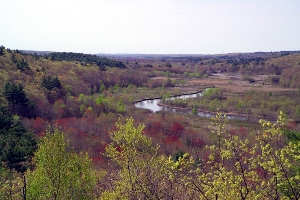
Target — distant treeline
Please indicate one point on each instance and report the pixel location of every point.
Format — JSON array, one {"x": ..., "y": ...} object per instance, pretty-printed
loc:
[{"x": 101, "y": 62}]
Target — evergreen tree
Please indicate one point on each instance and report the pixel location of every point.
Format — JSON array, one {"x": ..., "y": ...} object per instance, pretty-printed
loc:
[
  {"x": 16, "y": 143},
  {"x": 2, "y": 50},
  {"x": 101, "y": 62},
  {"x": 56, "y": 83},
  {"x": 50, "y": 83},
  {"x": 18, "y": 101},
  {"x": 22, "y": 65}
]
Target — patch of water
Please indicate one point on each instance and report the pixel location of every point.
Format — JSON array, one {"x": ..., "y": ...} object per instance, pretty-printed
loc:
[{"x": 154, "y": 107}]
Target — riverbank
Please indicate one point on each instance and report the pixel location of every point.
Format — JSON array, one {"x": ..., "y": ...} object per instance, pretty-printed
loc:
[
  {"x": 174, "y": 96},
  {"x": 228, "y": 114},
  {"x": 155, "y": 105}
]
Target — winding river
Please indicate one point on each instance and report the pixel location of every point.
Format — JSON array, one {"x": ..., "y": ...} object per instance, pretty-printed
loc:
[{"x": 152, "y": 104}]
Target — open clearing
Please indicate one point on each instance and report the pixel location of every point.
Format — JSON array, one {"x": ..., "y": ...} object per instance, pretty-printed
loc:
[{"x": 228, "y": 83}]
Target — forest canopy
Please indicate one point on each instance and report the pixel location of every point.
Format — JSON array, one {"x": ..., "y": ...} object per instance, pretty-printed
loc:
[
  {"x": 101, "y": 62},
  {"x": 79, "y": 111}
]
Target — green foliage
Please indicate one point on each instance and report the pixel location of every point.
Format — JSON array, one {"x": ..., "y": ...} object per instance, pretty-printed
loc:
[
  {"x": 292, "y": 135},
  {"x": 297, "y": 114},
  {"x": 280, "y": 161},
  {"x": 143, "y": 174},
  {"x": 22, "y": 65},
  {"x": 11, "y": 184},
  {"x": 101, "y": 62},
  {"x": 120, "y": 107},
  {"x": 290, "y": 77},
  {"x": 3, "y": 177},
  {"x": 51, "y": 82},
  {"x": 116, "y": 88},
  {"x": 180, "y": 102},
  {"x": 110, "y": 104},
  {"x": 235, "y": 169},
  {"x": 213, "y": 93},
  {"x": 18, "y": 101},
  {"x": 16, "y": 143},
  {"x": 213, "y": 105},
  {"x": 195, "y": 75},
  {"x": 194, "y": 111},
  {"x": 100, "y": 99},
  {"x": 256, "y": 103},
  {"x": 102, "y": 88},
  {"x": 168, "y": 74},
  {"x": 59, "y": 172}
]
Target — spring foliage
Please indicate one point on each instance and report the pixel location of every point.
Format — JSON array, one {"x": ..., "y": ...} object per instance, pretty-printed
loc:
[
  {"x": 142, "y": 172},
  {"x": 59, "y": 172},
  {"x": 234, "y": 168}
]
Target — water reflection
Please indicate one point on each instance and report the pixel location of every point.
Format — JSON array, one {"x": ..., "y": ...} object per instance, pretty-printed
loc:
[
  {"x": 149, "y": 104},
  {"x": 154, "y": 107}
]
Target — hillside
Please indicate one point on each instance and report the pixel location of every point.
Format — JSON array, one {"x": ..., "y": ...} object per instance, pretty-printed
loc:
[
  {"x": 80, "y": 97},
  {"x": 89, "y": 86}
]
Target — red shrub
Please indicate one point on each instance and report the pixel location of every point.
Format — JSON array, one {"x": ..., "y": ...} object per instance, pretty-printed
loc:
[
  {"x": 39, "y": 125},
  {"x": 177, "y": 129},
  {"x": 198, "y": 143}
]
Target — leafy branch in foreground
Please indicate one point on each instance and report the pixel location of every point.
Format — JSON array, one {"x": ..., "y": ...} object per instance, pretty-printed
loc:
[
  {"x": 234, "y": 168},
  {"x": 60, "y": 173},
  {"x": 143, "y": 173},
  {"x": 269, "y": 169}
]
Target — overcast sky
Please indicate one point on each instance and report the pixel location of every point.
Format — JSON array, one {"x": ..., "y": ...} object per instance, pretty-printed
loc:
[{"x": 150, "y": 26}]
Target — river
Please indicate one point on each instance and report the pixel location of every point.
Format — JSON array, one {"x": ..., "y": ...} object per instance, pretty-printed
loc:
[{"x": 154, "y": 107}]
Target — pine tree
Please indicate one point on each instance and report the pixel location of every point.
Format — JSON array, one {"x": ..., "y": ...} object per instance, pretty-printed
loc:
[
  {"x": 50, "y": 83},
  {"x": 16, "y": 143},
  {"x": 18, "y": 101},
  {"x": 2, "y": 50}
]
